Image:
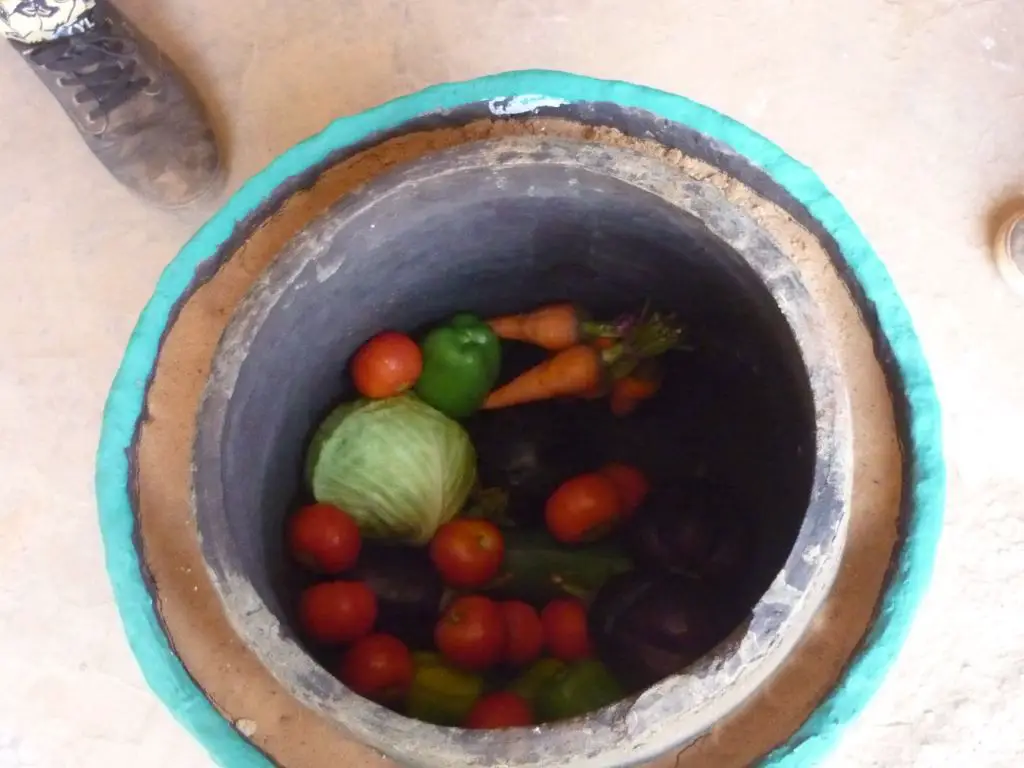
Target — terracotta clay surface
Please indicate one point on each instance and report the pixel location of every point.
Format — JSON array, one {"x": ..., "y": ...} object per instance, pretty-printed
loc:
[
  {"x": 910, "y": 112},
  {"x": 231, "y": 675}
]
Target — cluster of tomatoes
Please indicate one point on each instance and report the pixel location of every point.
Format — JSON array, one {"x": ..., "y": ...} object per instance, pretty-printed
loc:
[
  {"x": 326, "y": 540},
  {"x": 477, "y": 633},
  {"x": 588, "y": 506},
  {"x": 473, "y": 632}
]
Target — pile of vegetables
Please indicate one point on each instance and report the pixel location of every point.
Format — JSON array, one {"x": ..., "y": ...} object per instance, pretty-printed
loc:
[{"x": 465, "y": 568}]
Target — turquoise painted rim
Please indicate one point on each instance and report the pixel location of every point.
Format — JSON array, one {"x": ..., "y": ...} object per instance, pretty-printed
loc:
[{"x": 510, "y": 92}]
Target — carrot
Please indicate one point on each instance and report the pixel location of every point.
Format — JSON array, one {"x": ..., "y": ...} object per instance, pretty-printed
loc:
[
  {"x": 629, "y": 392},
  {"x": 572, "y": 371},
  {"x": 637, "y": 388},
  {"x": 621, "y": 404},
  {"x": 554, "y": 327}
]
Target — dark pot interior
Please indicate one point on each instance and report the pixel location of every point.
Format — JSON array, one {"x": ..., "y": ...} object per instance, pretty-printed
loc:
[
  {"x": 735, "y": 413},
  {"x": 734, "y": 422}
]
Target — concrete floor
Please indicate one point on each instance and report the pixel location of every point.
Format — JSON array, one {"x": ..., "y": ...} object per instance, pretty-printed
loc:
[{"x": 911, "y": 111}]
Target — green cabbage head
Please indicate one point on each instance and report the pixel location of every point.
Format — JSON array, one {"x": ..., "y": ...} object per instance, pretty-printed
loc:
[{"x": 399, "y": 467}]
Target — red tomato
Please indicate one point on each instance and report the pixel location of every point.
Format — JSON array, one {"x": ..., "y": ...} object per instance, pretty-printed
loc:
[
  {"x": 631, "y": 484},
  {"x": 471, "y": 633},
  {"x": 524, "y": 634},
  {"x": 386, "y": 365},
  {"x": 467, "y": 553},
  {"x": 500, "y": 710},
  {"x": 583, "y": 508},
  {"x": 378, "y": 667},
  {"x": 565, "y": 629},
  {"x": 337, "y": 612},
  {"x": 324, "y": 539}
]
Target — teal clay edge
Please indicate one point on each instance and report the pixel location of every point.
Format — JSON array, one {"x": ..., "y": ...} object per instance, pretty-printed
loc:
[{"x": 818, "y": 736}]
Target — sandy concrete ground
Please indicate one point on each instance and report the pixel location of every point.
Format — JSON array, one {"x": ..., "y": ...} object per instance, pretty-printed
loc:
[{"x": 912, "y": 112}]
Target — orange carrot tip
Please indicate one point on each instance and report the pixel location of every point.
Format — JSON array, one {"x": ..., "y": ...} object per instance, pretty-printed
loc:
[
  {"x": 622, "y": 405},
  {"x": 636, "y": 388},
  {"x": 571, "y": 372},
  {"x": 628, "y": 393},
  {"x": 642, "y": 383}
]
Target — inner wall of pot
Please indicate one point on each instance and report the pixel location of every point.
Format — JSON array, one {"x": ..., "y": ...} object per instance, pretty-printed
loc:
[{"x": 735, "y": 413}]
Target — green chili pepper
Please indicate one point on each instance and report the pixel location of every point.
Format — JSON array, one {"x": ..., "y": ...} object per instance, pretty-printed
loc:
[
  {"x": 441, "y": 694},
  {"x": 536, "y": 568},
  {"x": 582, "y": 687},
  {"x": 461, "y": 362}
]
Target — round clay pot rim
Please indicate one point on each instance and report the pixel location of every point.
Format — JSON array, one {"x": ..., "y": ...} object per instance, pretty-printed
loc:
[
  {"x": 674, "y": 711},
  {"x": 510, "y": 94}
]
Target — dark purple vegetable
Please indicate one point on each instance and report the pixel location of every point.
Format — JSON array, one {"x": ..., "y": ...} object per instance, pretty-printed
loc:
[
  {"x": 648, "y": 626},
  {"x": 528, "y": 451},
  {"x": 408, "y": 590},
  {"x": 693, "y": 531}
]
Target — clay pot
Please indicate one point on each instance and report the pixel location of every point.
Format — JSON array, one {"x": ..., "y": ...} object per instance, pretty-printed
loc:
[{"x": 502, "y": 226}]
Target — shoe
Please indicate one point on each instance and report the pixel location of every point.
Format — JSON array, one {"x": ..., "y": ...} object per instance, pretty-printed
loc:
[
  {"x": 1009, "y": 250},
  {"x": 133, "y": 109}
]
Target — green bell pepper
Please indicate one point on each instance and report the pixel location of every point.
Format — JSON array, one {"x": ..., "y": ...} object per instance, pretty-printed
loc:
[
  {"x": 531, "y": 682},
  {"x": 582, "y": 687},
  {"x": 441, "y": 694},
  {"x": 461, "y": 363}
]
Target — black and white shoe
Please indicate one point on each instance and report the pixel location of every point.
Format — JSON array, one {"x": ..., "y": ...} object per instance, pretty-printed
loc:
[{"x": 139, "y": 116}]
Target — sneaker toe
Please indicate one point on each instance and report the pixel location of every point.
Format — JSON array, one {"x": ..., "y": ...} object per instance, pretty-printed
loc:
[{"x": 168, "y": 163}]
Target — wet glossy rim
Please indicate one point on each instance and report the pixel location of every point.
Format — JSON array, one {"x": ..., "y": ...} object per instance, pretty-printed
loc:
[{"x": 510, "y": 94}]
